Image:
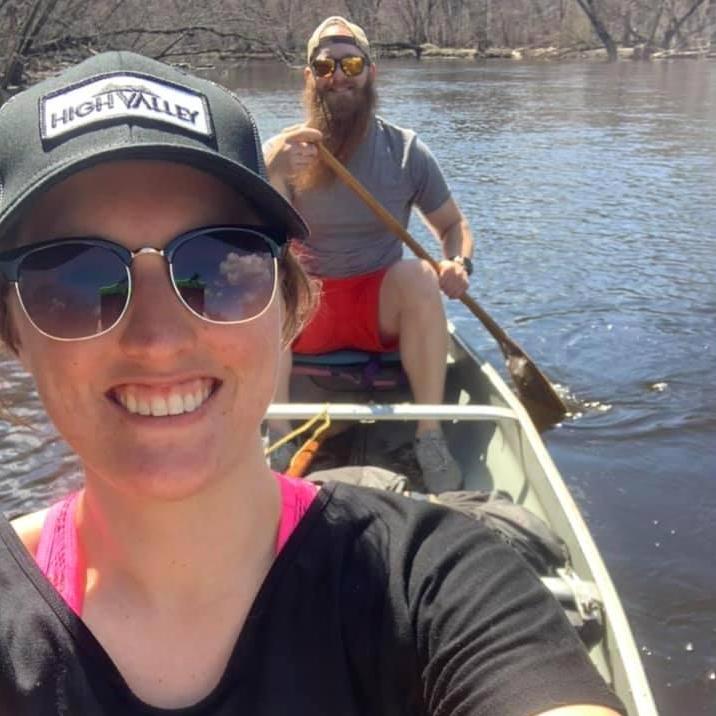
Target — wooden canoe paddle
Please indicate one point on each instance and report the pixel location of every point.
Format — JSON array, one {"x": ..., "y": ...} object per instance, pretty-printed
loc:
[
  {"x": 537, "y": 394},
  {"x": 302, "y": 460}
]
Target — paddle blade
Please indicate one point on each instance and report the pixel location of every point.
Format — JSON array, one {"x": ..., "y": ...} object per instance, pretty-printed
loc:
[{"x": 537, "y": 394}]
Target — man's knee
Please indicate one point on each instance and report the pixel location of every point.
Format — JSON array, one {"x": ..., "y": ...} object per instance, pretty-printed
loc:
[
  {"x": 410, "y": 292},
  {"x": 413, "y": 279}
]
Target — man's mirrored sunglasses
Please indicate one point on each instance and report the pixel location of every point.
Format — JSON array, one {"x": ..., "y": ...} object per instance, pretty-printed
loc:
[
  {"x": 78, "y": 288},
  {"x": 351, "y": 65}
]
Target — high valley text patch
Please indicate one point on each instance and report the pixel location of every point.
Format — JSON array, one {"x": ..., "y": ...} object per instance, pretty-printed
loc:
[{"x": 122, "y": 96}]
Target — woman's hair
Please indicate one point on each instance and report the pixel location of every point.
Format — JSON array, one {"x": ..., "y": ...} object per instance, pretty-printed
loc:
[
  {"x": 299, "y": 296},
  {"x": 8, "y": 341},
  {"x": 8, "y": 337}
]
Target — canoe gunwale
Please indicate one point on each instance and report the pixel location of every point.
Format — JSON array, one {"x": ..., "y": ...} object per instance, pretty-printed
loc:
[{"x": 373, "y": 412}]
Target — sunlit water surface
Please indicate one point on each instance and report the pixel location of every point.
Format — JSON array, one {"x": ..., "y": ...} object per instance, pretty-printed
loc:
[{"x": 592, "y": 193}]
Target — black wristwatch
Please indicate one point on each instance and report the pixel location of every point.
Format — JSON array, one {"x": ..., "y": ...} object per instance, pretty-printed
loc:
[{"x": 465, "y": 262}]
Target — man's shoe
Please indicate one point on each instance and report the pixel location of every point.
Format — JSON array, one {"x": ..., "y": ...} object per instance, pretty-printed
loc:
[{"x": 441, "y": 473}]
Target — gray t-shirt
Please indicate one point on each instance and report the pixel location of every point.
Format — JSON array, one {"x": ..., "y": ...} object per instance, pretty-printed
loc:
[{"x": 347, "y": 239}]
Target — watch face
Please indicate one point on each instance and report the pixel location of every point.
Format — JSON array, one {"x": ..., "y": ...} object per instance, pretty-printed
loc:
[{"x": 465, "y": 262}]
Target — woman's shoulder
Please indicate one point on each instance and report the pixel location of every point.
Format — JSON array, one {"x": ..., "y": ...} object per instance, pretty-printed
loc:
[{"x": 29, "y": 528}]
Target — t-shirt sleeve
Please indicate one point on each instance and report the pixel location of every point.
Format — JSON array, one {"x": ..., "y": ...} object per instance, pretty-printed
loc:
[
  {"x": 491, "y": 640},
  {"x": 431, "y": 189}
]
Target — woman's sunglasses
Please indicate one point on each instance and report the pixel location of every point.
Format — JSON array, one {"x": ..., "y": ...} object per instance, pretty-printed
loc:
[
  {"x": 351, "y": 65},
  {"x": 77, "y": 288}
]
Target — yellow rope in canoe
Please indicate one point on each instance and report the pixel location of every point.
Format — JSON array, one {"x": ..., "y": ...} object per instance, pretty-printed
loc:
[{"x": 323, "y": 415}]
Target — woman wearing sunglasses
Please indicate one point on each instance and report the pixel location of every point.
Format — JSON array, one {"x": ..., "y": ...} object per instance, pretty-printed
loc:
[{"x": 147, "y": 288}]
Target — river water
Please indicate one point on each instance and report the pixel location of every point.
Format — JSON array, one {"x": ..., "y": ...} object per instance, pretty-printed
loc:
[{"x": 591, "y": 189}]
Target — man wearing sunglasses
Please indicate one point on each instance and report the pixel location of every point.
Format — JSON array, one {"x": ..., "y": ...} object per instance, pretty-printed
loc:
[{"x": 372, "y": 299}]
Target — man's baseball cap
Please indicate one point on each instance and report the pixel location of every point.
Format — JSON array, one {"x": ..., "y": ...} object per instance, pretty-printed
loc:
[
  {"x": 354, "y": 35},
  {"x": 119, "y": 105}
]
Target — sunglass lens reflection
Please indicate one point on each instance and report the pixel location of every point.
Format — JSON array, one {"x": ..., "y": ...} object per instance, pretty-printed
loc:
[
  {"x": 73, "y": 290},
  {"x": 351, "y": 66},
  {"x": 324, "y": 67},
  {"x": 225, "y": 275}
]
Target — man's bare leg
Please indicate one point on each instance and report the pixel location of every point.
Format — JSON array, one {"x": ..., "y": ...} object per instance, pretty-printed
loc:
[{"x": 411, "y": 308}]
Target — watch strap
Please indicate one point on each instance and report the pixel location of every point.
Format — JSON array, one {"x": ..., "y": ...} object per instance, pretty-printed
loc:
[{"x": 465, "y": 262}]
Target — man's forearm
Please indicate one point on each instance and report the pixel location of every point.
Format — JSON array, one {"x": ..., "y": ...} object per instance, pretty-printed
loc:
[
  {"x": 457, "y": 240},
  {"x": 274, "y": 171}
]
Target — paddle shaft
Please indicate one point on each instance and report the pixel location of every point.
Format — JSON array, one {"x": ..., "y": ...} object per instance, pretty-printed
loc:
[
  {"x": 540, "y": 398},
  {"x": 302, "y": 460}
]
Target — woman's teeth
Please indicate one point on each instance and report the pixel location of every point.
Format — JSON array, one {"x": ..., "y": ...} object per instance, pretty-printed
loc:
[{"x": 159, "y": 402}]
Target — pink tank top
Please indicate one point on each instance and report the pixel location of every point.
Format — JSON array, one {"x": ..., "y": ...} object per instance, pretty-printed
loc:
[{"x": 58, "y": 554}]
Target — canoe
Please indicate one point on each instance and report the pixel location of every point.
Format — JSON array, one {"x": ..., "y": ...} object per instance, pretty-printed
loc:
[{"x": 498, "y": 448}]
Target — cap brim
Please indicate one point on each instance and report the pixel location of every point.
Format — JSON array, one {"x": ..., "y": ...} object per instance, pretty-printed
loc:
[{"x": 275, "y": 210}]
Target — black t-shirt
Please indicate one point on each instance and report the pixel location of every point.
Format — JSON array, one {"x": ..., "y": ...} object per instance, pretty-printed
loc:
[{"x": 377, "y": 604}]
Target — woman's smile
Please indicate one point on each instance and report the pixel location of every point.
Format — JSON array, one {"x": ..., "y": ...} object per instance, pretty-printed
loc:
[{"x": 164, "y": 400}]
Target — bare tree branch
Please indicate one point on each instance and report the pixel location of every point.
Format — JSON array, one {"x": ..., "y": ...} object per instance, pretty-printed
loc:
[
  {"x": 35, "y": 20},
  {"x": 41, "y": 33},
  {"x": 677, "y": 23},
  {"x": 593, "y": 13}
]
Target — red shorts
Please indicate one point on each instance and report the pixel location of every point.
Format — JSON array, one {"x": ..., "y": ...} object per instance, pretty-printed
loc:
[{"x": 347, "y": 317}]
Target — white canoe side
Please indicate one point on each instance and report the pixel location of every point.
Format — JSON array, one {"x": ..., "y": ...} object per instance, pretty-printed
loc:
[{"x": 498, "y": 447}]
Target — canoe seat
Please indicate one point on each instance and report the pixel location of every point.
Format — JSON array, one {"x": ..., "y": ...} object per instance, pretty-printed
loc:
[
  {"x": 359, "y": 369},
  {"x": 347, "y": 357}
]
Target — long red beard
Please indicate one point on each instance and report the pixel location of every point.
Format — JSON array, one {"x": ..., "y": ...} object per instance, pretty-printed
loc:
[{"x": 343, "y": 120}]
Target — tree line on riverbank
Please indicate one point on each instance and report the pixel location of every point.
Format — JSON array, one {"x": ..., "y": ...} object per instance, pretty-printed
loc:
[{"x": 36, "y": 35}]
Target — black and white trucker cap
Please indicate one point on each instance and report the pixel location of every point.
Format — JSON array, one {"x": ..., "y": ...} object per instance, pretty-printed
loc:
[{"x": 120, "y": 105}]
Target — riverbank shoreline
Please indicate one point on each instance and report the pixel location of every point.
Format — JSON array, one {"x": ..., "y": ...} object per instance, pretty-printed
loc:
[
  {"x": 548, "y": 54},
  {"x": 46, "y": 66},
  {"x": 427, "y": 52}
]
